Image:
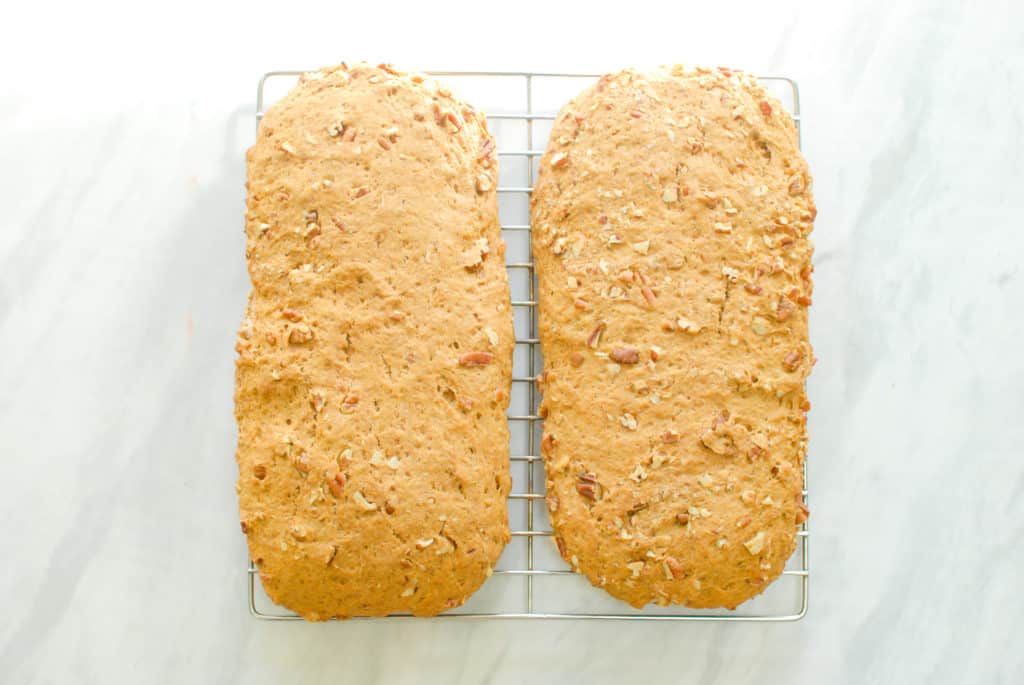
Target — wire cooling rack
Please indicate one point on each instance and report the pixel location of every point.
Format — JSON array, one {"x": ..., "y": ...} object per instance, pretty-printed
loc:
[{"x": 531, "y": 580}]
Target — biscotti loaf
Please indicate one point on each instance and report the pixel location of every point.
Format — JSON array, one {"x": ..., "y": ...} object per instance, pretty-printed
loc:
[
  {"x": 670, "y": 232},
  {"x": 374, "y": 361}
]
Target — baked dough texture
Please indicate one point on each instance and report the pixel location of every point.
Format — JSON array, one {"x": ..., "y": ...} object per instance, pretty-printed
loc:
[
  {"x": 670, "y": 232},
  {"x": 374, "y": 360}
]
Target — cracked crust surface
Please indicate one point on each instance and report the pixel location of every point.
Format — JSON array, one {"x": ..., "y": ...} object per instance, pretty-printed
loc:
[
  {"x": 670, "y": 232},
  {"x": 374, "y": 360}
]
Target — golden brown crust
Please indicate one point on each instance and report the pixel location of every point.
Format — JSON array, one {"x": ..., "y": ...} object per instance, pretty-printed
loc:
[
  {"x": 374, "y": 365},
  {"x": 670, "y": 232}
]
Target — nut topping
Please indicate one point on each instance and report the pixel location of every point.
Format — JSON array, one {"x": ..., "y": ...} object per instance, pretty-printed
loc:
[
  {"x": 792, "y": 360},
  {"x": 784, "y": 308},
  {"x": 300, "y": 334},
  {"x": 336, "y": 484},
  {"x": 575, "y": 360},
  {"x": 476, "y": 359},
  {"x": 639, "y": 473},
  {"x": 755, "y": 544},
  {"x": 648, "y": 295},
  {"x": 802, "y": 512},
  {"x": 588, "y": 486},
  {"x": 291, "y": 314},
  {"x": 595, "y": 336},
  {"x": 559, "y": 159},
  {"x": 547, "y": 442},
  {"x": 625, "y": 355},
  {"x": 364, "y": 503},
  {"x": 688, "y": 326}
]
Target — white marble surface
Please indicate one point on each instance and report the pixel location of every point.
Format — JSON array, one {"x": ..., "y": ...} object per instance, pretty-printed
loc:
[{"x": 122, "y": 280}]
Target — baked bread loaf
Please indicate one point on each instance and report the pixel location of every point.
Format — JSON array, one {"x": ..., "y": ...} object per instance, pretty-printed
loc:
[
  {"x": 670, "y": 233},
  {"x": 374, "y": 361}
]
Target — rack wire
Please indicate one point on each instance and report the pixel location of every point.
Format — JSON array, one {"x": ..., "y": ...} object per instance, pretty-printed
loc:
[{"x": 549, "y": 588}]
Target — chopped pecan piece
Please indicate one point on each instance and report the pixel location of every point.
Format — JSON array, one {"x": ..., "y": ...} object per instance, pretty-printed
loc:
[
  {"x": 648, "y": 294},
  {"x": 717, "y": 439},
  {"x": 595, "y": 336},
  {"x": 802, "y": 512},
  {"x": 487, "y": 146},
  {"x": 336, "y": 484},
  {"x": 722, "y": 417},
  {"x": 625, "y": 355},
  {"x": 587, "y": 486},
  {"x": 784, "y": 309},
  {"x": 476, "y": 359},
  {"x": 300, "y": 334},
  {"x": 755, "y": 544},
  {"x": 547, "y": 442},
  {"x": 454, "y": 120}
]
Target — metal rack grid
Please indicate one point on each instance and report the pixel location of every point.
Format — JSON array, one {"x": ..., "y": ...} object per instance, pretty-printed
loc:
[{"x": 525, "y": 427}]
